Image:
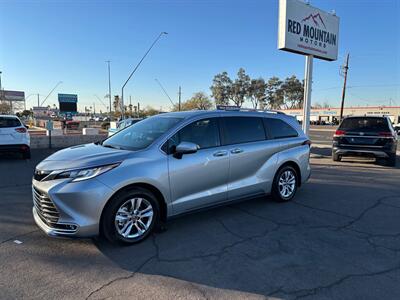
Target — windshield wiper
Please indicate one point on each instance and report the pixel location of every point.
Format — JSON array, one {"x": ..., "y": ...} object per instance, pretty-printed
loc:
[{"x": 111, "y": 146}]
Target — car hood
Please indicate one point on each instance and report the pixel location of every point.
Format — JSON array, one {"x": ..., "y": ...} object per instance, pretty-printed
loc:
[{"x": 82, "y": 156}]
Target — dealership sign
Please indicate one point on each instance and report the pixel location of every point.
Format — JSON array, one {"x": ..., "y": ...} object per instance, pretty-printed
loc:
[
  {"x": 14, "y": 95},
  {"x": 71, "y": 98},
  {"x": 307, "y": 30}
]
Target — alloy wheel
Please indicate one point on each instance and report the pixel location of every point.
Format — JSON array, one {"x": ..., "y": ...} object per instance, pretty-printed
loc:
[
  {"x": 134, "y": 217},
  {"x": 287, "y": 183}
]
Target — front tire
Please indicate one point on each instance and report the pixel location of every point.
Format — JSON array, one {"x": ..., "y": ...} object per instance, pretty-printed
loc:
[
  {"x": 336, "y": 157},
  {"x": 131, "y": 216},
  {"x": 285, "y": 184}
]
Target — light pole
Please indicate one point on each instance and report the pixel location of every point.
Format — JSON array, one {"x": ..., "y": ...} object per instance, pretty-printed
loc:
[
  {"x": 58, "y": 83},
  {"x": 134, "y": 70},
  {"x": 109, "y": 83}
]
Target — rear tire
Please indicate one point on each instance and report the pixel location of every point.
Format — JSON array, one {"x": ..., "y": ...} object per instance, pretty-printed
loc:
[
  {"x": 391, "y": 161},
  {"x": 130, "y": 217},
  {"x": 285, "y": 184}
]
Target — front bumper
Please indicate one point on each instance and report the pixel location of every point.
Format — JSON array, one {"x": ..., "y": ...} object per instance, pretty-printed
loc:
[{"x": 76, "y": 209}]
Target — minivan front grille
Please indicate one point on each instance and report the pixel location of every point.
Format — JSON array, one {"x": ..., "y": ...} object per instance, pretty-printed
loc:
[{"x": 45, "y": 208}]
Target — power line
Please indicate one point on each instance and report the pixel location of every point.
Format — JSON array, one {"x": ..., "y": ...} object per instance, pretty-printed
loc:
[{"x": 165, "y": 92}]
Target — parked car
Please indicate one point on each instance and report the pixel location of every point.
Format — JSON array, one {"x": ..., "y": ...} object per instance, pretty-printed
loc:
[
  {"x": 14, "y": 136},
  {"x": 168, "y": 165},
  {"x": 365, "y": 136},
  {"x": 123, "y": 124},
  {"x": 397, "y": 128}
]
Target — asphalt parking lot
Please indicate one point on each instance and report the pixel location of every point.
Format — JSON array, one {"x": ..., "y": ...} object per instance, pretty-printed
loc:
[{"x": 339, "y": 239}]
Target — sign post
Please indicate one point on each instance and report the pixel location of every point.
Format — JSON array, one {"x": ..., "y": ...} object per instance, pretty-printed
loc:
[
  {"x": 307, "y": 30},
  {"x": 307, "y": 94},
  {"x": 49, "y": 127}
]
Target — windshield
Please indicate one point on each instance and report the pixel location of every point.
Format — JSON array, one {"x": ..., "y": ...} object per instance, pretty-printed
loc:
[{"x": 141, "y": 134}]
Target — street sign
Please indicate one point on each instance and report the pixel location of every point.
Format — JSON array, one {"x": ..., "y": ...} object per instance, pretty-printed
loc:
[
  {"x": 49, "y": 125},
  {"x": 307, "y": 30}
]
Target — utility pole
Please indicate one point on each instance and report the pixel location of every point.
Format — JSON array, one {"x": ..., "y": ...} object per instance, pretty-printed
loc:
[
  {"x": 1, "y": 89},
  {"x": 138, "y": 109},
  {"x": 94, "y": 108},
  {"x": 38, "y": 102},
  {"x": 109, "y": 83},
  {"x": 179, "y": 99},
  {"x": 345, "y": 69}
]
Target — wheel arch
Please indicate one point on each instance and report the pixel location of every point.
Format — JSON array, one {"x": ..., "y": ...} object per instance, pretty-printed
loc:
[
  {"x": 295, "y": 166},
  {"x": 157, "y": 193}
]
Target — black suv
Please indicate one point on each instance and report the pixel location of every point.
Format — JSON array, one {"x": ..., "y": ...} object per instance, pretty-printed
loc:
[{"x": 367, "y": 136}]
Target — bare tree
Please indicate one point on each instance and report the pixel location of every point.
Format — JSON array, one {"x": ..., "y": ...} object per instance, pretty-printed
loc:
[{"x": 199, "y": 101}]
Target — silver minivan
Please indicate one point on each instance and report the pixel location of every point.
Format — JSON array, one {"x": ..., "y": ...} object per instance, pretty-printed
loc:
[{"x": 167, "y": 165}]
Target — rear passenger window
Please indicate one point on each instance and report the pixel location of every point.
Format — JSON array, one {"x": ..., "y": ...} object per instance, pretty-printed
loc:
[
  {"x": 279, "y": 129},
  {"x": 243, "y": 130}
]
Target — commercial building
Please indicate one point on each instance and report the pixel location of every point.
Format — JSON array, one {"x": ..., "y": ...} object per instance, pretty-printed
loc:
[{"x": 332, "y": 114}]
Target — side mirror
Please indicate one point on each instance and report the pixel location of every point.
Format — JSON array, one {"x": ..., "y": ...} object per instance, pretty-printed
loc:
[{"x": 185, "y": 148}]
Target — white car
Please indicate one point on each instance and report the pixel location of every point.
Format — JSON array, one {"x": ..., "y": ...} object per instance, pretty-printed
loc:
[{"x": 14, "y": 136}]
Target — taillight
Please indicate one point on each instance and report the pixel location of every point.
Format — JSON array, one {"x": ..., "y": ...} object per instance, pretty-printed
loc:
[
  {"x": 307, "y": 142},
  {"x": 20, "y": 130},
  {"x": 385, "y": 134},
  {"x": 340, "y": 132}
]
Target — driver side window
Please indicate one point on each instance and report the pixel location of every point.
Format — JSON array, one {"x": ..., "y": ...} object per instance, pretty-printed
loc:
[{"x": 204, "y": 133}]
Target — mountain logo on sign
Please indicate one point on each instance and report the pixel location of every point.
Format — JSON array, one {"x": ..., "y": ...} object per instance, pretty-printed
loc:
[{"x": 317, "y": 19}]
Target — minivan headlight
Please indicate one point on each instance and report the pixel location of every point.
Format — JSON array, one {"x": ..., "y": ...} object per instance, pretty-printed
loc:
[{"x": 84, "y": 174}]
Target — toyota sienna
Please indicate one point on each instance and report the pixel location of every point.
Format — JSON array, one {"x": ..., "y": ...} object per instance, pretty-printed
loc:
[{"x": 168, "y": 165}]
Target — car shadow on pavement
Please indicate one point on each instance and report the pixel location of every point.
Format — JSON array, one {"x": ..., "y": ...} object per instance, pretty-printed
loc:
[
  {"x": 326, "y": 152},
  {"x": 274, "y": 249}
]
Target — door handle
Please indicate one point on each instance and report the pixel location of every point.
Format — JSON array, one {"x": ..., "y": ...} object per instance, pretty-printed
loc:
[
  {"x": 236, "y": 151},
  {"x": 220, "y": 153}
]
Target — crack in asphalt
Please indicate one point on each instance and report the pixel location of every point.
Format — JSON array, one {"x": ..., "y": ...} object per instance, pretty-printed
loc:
[
  {"x": 298, "y": 294},
  {"x": 18, "y": 236},
  {"x": 131, "y": 275},
  {"x": 364, "y": 212},
  {"x": 321, "y": 209}
]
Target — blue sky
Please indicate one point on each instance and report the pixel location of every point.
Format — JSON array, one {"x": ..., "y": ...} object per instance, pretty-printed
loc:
[{"x": 43, "y": 42}]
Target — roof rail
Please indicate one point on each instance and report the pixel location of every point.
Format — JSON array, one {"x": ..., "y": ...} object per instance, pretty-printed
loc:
[{"x": 237, "y": 108}]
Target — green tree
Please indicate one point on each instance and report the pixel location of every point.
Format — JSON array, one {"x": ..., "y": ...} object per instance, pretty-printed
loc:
[
  {"x": 26, "y": 113},
  {"x": 199, "y": 101},
  {"x": 221, "y": 88},
  {"x": 240, "y": 88},
  {"x": 293, "y": 90},
  {"x": 256, "y": 92},
  {"x": 275, "y": 95}
]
